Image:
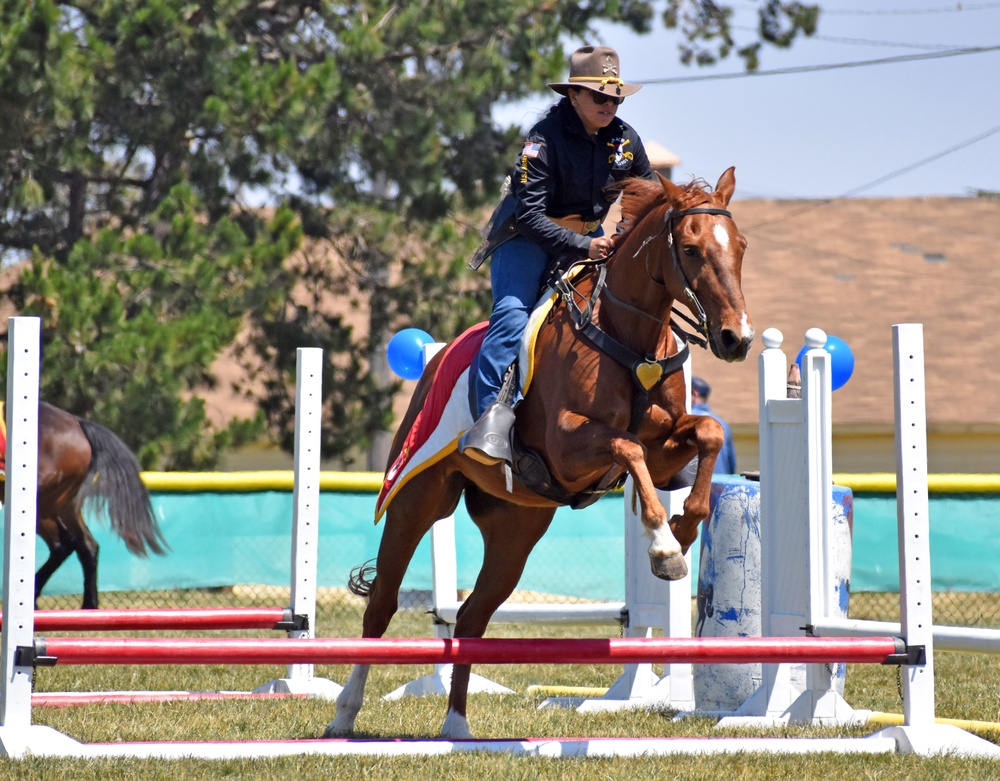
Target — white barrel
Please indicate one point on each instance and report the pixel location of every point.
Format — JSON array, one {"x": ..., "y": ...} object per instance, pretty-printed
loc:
[{"x": 728, "y": 597}]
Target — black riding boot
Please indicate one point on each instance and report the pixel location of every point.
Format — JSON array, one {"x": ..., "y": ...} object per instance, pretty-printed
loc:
[{"x": 488, "y": 441}]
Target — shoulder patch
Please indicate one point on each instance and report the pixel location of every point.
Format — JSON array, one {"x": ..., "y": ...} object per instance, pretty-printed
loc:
[{"x": 531, "y": 149}]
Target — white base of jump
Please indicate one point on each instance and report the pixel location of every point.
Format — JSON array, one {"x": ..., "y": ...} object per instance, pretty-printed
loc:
[
  {"x": 323, "y": 688},
  {"x": 640, "y": 687},
  {"x": 36, "y": 740},
  {"x": 439, "y": 682},
  {"x": 931, "y": 740},
  {"x": 934, "y": 739},
  {"x": 53, "y": 744}
]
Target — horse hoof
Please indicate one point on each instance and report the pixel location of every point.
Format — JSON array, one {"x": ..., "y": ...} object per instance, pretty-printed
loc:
[
  {"x": 334, "y": 730},
  {"x": 456, "y": 727},
  {"x": 668, "y": 567}
]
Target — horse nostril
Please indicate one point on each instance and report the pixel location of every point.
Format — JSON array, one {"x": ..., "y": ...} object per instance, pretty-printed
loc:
[{"x": 731, "y": 341}]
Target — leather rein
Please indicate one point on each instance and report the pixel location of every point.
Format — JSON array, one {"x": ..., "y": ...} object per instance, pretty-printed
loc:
[{"x": 647, "y": 371}]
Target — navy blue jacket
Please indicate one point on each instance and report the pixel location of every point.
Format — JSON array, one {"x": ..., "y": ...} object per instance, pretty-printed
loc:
[{"x": 563, "y": 171}]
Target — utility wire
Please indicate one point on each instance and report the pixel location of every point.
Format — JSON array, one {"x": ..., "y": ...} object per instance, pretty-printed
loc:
[
  {"x": 813, "y": 68},
  {"x": 881, "y": 179},
  {"x": 864, "y": 41},
  {"x": 948, "y": 9},
  {"x": 958, "y": 8}
]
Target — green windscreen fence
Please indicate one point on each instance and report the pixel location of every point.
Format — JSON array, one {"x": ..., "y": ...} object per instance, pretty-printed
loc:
[{"x": 224, "y": 538}]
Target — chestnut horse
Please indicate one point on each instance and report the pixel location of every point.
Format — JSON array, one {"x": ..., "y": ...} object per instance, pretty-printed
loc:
[
  {"x": 607, "y": 398},
  {"x": 81, "y": 462}
]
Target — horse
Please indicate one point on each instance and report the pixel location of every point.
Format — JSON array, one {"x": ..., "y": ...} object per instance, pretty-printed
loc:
[
  {"x": 600, "y": 406},
  {"x": 81, "y": 462}
]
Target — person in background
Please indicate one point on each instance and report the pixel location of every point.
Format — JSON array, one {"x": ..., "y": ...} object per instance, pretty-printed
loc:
[
  {"x": 700, "y": 391},
  {"x": 561, "y": 189}
]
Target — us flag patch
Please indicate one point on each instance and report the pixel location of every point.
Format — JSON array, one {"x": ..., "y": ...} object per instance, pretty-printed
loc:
[{"x": 531, "y": 149}]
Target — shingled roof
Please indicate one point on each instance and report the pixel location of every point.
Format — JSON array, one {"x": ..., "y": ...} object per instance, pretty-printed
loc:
[{"x": 855, "y": 267}]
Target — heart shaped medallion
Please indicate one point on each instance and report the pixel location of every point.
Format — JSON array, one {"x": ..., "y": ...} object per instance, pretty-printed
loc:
[{"x": 648, "y": 374}]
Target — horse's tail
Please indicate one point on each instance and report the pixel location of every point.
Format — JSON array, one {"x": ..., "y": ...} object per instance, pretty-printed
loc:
[
  {"x": 113, "y": 482},
  {"x": 361, "y": 579}
]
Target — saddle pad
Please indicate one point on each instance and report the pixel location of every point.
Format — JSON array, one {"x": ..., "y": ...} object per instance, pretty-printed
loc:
[{"x": 445, "y": 415}]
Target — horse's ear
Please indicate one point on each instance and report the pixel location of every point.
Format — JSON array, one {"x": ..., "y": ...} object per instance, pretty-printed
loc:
[
  {"x": 726, "y": 185},
  {"x": 669, "y": 187}
]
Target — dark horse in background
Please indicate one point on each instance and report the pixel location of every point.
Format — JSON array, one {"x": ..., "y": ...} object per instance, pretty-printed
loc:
[
  {"x": 81, "y": 462},
  {"x": 607, "y": 399}
]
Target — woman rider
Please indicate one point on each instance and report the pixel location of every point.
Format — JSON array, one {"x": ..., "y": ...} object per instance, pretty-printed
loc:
[{"x": 559, "y": 196}]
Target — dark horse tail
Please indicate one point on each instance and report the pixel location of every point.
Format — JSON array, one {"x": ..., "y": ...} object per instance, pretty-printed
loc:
[
  {"x": 114, "y": 484},
  {"x": 361, "y": 579}
]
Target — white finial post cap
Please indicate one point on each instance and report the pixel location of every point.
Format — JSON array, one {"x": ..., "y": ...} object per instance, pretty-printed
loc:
[
  {"x": 815, "y": 338},
  {"x": 773, "y": 338}
]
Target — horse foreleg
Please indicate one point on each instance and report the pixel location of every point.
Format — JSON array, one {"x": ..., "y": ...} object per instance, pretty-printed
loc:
[
  {"x": 666, "y": 554},
  {"x": 708, "y": 434},
  {"x": 586, "y": 446}
]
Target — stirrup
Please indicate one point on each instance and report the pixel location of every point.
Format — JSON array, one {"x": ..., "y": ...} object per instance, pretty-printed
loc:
[{"x": 488, "y": 441}]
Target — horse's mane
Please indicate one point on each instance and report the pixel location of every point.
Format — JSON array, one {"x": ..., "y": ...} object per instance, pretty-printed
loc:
[{"x": 641, "y": 196}]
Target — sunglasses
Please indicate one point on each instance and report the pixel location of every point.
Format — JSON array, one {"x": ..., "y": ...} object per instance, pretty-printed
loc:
[{"x": 600, "y": 99}]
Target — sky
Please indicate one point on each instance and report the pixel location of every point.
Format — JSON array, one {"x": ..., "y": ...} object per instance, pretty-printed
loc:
[{"x": 924, "y": 127}]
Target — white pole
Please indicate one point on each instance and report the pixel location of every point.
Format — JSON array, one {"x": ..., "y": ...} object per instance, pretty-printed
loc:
[
  {"x": 305, "y": 522},
  {"x": 305, "y": 495},
  {"x": 913, "y": 519},
  {"x": 20, "y": 515},
  {"x": 18, "y": 736}
]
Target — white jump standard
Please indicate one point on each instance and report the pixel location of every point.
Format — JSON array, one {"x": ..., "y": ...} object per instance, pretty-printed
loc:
[{"x": 18, "y": 737}]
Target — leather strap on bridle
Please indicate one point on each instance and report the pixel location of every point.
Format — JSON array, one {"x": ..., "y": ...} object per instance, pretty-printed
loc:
[
  {"x": 700, "y": 321},
  {"x": 647, "y": 372}
]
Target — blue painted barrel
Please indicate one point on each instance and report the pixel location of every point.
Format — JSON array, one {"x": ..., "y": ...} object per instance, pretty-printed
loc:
[{"x": 728, "y": 596}]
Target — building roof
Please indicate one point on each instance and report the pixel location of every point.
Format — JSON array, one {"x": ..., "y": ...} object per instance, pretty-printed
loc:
[{"x": 855, "y": 267}]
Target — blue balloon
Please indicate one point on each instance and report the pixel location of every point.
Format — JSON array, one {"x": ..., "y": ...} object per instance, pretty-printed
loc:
[
  {"x": 841, "y": 360},
  {"x": 405, "y": 352}
]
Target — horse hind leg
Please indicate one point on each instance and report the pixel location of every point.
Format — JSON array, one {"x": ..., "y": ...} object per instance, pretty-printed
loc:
[
  {"x": 408, "y": 519},
  {"x": 510, "y": 533},
  {"x": 87, "y": 551},
  {"x": 60, "y": 546}
]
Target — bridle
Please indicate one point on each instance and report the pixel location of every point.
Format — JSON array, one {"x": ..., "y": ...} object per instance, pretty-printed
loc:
[
  {"x": 700, "y": 321},
  {"x": 647, "y": 371}
]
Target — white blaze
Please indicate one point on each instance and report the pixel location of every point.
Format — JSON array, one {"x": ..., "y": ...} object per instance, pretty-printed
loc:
[{"x": 721, "y": 236}]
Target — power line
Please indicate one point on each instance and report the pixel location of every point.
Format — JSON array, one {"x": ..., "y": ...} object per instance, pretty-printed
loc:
[
  {"x": 882, "y": 179},
  {"x": 864, "y": 41},
  {"x": 959, "y": 8},
  {"x": 925, "y": 161},
  {"x": 813, "y": 68},
  {"x": 949, "y": 9}
]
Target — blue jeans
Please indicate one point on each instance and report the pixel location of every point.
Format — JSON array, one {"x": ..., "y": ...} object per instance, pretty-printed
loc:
[{"x": 516, "y": 272}]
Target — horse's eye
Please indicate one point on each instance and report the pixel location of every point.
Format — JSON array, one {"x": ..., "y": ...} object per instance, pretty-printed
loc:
[{"x": 690, "y": 250}]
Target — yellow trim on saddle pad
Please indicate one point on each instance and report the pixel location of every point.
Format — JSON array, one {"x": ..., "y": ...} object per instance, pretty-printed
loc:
[{"x": 526, "y": 358}]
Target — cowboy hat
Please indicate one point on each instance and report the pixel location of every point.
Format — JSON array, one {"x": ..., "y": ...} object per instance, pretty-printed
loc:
[{"x": 596, "y": 68}]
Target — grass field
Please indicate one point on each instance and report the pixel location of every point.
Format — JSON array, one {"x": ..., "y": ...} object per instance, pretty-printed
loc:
[{"x": 966, "y": 688}]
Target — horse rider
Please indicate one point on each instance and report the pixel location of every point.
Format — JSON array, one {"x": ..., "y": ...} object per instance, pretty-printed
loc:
[{"x": 553, "y": 204}]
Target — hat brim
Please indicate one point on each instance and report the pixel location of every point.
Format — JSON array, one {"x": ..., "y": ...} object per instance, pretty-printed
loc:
[{"x": 563, "y": 87}]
